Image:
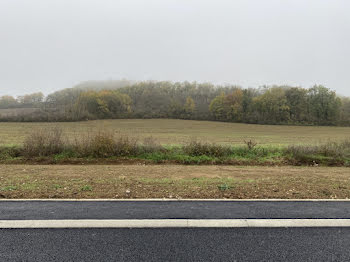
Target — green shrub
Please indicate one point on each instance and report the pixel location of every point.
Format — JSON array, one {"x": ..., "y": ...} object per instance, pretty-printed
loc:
[{"x": 10, "y": 152}]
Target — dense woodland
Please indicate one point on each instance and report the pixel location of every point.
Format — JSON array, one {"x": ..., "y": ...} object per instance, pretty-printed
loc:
[{"x": 124, "y": 99}]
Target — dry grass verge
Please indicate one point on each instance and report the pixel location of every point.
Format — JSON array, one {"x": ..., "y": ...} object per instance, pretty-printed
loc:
[{"x": 172, "y": 181}]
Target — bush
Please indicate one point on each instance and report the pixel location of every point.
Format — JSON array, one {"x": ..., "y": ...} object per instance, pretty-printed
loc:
[
  {"x": 44, "y": 143},
  {"x": 196, "y": 148},
  {"x": 105, "y": 144},
  {"x": 329, "y": 153},
  {"x": 102, "y": 145},
  {"x": 151, "y": 145},
  {"x": 126, "y": 146}
]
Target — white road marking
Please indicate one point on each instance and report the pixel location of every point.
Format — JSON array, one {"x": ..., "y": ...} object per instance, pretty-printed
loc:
[
  {"x": 174, "y": 200},
  {"x": 175, "y": 223}
]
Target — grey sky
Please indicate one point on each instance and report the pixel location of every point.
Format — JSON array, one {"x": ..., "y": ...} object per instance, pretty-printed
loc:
[{"x": 46, "y": 45}]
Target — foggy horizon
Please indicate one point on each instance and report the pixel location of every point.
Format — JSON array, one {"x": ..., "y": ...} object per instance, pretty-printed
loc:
[{"x": 51, "y": 45}]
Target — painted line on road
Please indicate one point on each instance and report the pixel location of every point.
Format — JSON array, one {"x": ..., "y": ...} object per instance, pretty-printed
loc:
[
  {"x": 175, "y": 223},
  {"x": 173, "y": 200}
]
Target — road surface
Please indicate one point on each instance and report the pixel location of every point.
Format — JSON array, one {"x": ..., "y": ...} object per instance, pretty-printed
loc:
[{"x": 259, "y": 243}]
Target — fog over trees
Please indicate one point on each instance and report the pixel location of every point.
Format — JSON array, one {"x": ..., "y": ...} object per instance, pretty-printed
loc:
[
  {"x": 50, "y": 45},
  {"x": 317, "y": 105}
]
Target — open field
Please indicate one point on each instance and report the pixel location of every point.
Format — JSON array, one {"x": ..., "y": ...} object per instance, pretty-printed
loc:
[
  {"x": 168, "y": 131},
  {"x": 172, "y": 181}
]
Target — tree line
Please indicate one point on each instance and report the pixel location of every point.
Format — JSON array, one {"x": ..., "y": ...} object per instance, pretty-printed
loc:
[
  {"x": 317, "y": 105},
  {"x": 30, "y": 100}
]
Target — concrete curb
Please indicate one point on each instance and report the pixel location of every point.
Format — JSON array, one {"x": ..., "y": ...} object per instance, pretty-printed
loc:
[
  {"x": 175, "y": 223},
  {"x": 175, "y": 200}
]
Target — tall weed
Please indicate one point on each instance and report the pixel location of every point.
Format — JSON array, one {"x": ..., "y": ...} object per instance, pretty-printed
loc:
[{"x": 44, "y": 143}]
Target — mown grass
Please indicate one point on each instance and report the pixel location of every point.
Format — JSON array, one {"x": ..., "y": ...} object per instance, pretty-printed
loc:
[{"x": 177, "y": 132}]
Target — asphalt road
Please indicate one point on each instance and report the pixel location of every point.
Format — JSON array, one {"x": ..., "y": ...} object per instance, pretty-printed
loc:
[
  {"x": 171, "y": 209},
  {"x": 260, "y": 244},
  {"x": 174, "y": 244}
]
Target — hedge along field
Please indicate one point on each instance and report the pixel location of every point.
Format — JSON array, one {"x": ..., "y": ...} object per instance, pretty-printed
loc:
[{"x": 176, "y": 132}]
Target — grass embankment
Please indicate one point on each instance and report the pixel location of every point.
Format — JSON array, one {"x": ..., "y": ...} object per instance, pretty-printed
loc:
[
  {"x": 51, "y": 147},
  {"x": 172, "y": 181}
]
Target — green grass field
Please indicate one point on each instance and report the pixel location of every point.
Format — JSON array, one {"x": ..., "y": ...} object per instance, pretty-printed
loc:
[{"x": 168, "y": 131}]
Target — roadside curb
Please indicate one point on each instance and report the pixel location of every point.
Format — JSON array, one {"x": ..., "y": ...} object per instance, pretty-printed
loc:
[
  {"x": 175, "y": 200},
  {"x": 175, "y": 223}
]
